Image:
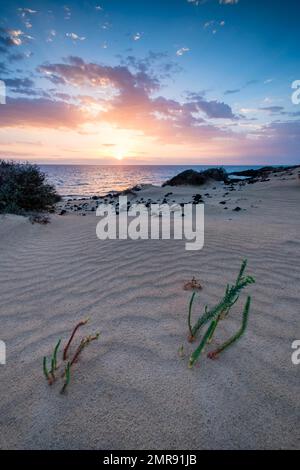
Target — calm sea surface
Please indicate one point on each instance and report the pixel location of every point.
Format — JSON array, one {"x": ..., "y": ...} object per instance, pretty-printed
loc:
[{"x": 87, "y": 180}]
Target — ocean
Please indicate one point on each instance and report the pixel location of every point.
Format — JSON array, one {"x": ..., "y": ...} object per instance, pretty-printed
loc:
[{"x": 88, "y": 180}]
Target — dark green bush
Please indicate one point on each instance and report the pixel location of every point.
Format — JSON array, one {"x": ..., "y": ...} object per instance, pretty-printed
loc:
[{"x": 23, "y": 189}]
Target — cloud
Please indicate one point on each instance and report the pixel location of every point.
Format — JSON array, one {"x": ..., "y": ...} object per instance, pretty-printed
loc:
[
  {"x": 106, "y": 25},
  {"x": 197, "y": 2},
  {"x": 26, "y": 14},
  {"x": 215, "y": 109},
  {"x": 75, "y": 37},
  {"x": 51, "y": 35},
  {"x": 137, "y": 36},
  {"x": 132, "y": 102},
  {"x": 182, "y": 51},
  {"x": 76, "y": 72},
  {"x": 231, "y": 92},
  {"x": 213, "y": 25},
  {"x": 221, "y": 2},
  {"x": 67, "y": 12},
  {"x": 128, "y": 97},
  {"x": 273, "y": 109},
  {"x": 26, "y": 11},
  {"x": 24, "y": 86},
  {"x": 251, "y": 82},
  {"x": 20, "y": 56},
  {"x": 3, "y": 68},
  {"x": 238, "y": 90},
  {"x": 228, "y": 2},
  {"x": 19, "y": 83},
  {"x": 40, "y": 112},
  {"x": 12, "y": 37}
]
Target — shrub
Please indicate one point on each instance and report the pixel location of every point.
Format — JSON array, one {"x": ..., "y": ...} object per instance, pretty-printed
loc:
[{"x": 23, "y": 189}]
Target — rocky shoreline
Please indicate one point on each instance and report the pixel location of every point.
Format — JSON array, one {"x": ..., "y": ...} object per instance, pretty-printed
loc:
[{"x": 213, "y": 186}]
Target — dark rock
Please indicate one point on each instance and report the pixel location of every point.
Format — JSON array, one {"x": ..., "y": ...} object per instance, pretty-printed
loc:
[
  {"x": 264, "y": 171},
  {"x": 128, "y": 192},
  {"x": 62, "y": 212},
  {"x": 197, "y": 178},
  {"x": 136, "y": 188},
  {"x": 197, "y": 198},
  {"x": 41, "y": 219},
  {"x": 237, "y": 209}
]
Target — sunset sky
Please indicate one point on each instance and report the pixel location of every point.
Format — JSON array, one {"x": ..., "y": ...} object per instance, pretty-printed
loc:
[{"x": 150, "y": 81}]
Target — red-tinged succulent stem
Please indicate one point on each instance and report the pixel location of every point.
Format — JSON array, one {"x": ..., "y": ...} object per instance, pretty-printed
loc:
[
  {"x": 68, "y": 376},
  {"x": 83, "y": 343},
  {"x": 81, "y": 323}
]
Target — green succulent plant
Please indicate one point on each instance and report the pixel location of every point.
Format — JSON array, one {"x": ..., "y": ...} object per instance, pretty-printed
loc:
[{"x": 217, "y": 313}]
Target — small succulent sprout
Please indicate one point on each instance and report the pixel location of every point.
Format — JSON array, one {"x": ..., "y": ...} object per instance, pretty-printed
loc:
[
  {"x": 191, "y": 337},
  {"x": 45, "y": 368},
  {"x": 181, "y": 351},
  {"x": 52, "y": 374},
  {"x": 54, "y": 357},
  {"x": 67, "y": 377}
]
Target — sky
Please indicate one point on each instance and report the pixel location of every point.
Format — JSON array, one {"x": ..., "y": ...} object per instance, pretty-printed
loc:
[{"x": 150, "y": 81}]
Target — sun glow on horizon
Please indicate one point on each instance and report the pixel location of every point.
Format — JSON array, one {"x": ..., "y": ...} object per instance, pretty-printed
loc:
[
  {"x": 122, "y": 149},
  {"x": 119, "y": 155}
]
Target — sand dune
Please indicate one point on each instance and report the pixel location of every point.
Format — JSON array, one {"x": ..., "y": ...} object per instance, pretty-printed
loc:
[{"x": 130, "y": 389}]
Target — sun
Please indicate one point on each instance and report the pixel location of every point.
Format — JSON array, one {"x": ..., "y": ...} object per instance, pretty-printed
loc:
[
  {"x": 119, "y": 156},
  {"x": 120, "y": 153},
  {"x": 122, "y": 148}
]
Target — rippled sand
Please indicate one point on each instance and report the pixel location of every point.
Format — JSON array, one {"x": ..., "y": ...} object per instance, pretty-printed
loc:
[{"x": 130, "y": 389}]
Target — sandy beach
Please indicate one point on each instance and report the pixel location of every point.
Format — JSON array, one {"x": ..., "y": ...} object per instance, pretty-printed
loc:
[{"x": 130, "y": 389}]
